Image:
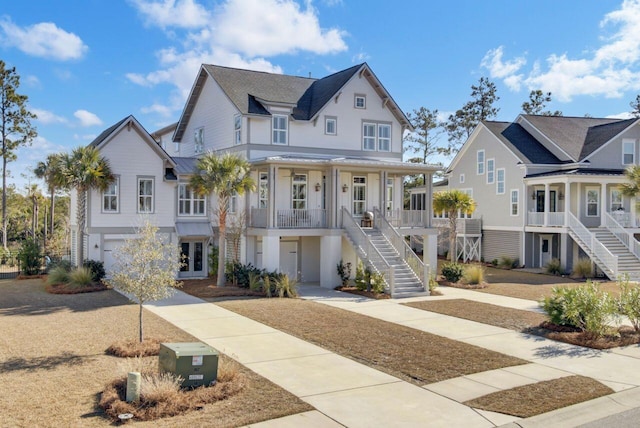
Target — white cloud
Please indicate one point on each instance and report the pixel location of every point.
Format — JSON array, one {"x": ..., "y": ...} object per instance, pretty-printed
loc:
[
  {"x": 47, "y": 117},
  {"x": 609, "y": 71},
  {"x": 44, "y": 40},
  {"x": 236, "y": 33},
  {"x": 87, "y": 118},
  {"x": 172, "y": 13},
  {"x": 32, "y": 81}
]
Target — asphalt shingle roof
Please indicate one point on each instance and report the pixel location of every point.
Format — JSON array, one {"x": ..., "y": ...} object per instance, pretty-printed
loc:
[{"x": 521, "y": 143}]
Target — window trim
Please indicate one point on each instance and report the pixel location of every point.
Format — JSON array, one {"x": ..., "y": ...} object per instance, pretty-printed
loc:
[
  {"x": 586, "y": 201},
  {"x": 629, "y": 142},
  {"x": 380, "y": 139},
  {"x": 198, "y": 142},
  {"x": 375, "y": 136},
  {"x": 193, "y": 199},
  {"x": 116, "y": 181},
  {"x": 355, "y": 185},
  {"x": 295, "y": 183},
  {"x": 152, "y": 196},
  {"x": 619, "y": 191},
  {"x": 285, "y": 130},
  {"x": 515, "y": 203},
  {"x": 491, "y": 171},
  {"x": 263, "y": 180},
  {"x": 333, "y": 119},
  {"x": 480, "y": 163},
  {"x": 237, "y": 129},
  {"x": 503, "y": 181},
  {"x": 363, "y": 97}
]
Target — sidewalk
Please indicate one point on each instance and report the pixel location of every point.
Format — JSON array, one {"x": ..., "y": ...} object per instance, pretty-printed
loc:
[{"x": 346, "y": 393}]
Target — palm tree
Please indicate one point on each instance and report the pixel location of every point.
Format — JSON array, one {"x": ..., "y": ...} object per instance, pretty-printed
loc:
[
  {"x": 52, "y": 174},
  {"x": 83, "y": 170},
  {"x": 633, "y": 175},
  {"x": 453, "y": 202},
  {"x": 225, "y": 176}
]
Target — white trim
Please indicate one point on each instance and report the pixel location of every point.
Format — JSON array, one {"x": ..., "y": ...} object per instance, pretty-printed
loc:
[
  {"x": 138, "y": 195},
  {"x": 517, "y": 202},
  {"x": 116, "y": 181},
  {"x": 480, "y": 163},
  {"x": 333, "y": 119},
  {"x": 279, "y": 130},
  {"x": 492, "y": 171},
  {"x": 363, "y": 97},
  {"x": 586, "y": 201},
  {"x": 504, "y": 181}
]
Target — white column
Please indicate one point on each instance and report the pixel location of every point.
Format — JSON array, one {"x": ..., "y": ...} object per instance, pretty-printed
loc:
[
  {"x": 430, "y": 251},
  {"x": 271, "y": 200},
  {"x": 546, "y": 204},
  {"x": 567, "y": 202},
  {"x": 330, "y": 255},
  {"x": 271, "y": 253},
  {"x": 603, "y": 202},
  {"x": 564, "y": 238},
  {"x": 633, "y": 201}
]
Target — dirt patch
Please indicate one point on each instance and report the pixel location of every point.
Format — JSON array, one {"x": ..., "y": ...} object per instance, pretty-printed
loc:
[
  {"x": 513, "y": 319},
  {"x": 52, "y": 353},
  {"x": 530, "y": 400},
  {"x": 409, "y": 354},
  {"x": 131, "y": 348}
]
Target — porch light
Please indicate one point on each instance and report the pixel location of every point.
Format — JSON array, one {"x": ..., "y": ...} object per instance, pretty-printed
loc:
[
  {"x": 318, "y": 187},
  {"x": 345, "y": 188},
  {"x": 533, "y": 195}
]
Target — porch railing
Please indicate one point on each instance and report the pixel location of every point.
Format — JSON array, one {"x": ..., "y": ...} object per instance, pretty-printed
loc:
[
  {"x": 464, "y": 226},
  {"x": 408, "y": 218},
  {"x": 607, "y": 261},
  {"x": 537, "y": 218},
  {"x": 290, "y": 218},
  {"x": 622, "y": 234},
  {"x": 366, "y": 251},
  {"x": 419, "y": 268}
]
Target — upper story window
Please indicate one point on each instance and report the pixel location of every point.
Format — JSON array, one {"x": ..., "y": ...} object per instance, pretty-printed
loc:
[
  {"x": 376, "y": 136},
  {"x": 145, "y": 195},
  {"x": 237, "y": 129},
  {"x": 628, "y": 151},
  {"x": 280, "y": 127},
  {"x": 299, "y": 192},
  {"x": 330, "y": 125},
  {"x": 480, "y": 159},
  {"x": 360, "y": 101},
  {"x": 232, "y": 204},
  {"x": 514, "y": 202},
  {"x": 263, "y": 190},
  {"x": 198, "y": 140},
  {"x": 110, "y": 197},
  {"x": 491, "y": 166},
  {"x": 189, "y": 202},
  {"x": 461, "y": 178},
  {"x": 500, "y": 181}
]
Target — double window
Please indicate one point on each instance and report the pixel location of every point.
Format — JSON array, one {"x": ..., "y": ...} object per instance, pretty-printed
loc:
[
  {"x": 145, "y": 195},
  {"x": 189, "y": 202},
  {"x": 280, "y": 129},
  {"x": 376, "y": 136},
  {"x": 110, "y": 197},
  {"x": 198, "y": 140}
]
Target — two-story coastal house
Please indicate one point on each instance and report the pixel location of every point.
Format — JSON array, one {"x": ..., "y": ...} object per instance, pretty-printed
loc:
[
  {"x": 549, "y": 187},
  {"x": 324, "y": 153}
]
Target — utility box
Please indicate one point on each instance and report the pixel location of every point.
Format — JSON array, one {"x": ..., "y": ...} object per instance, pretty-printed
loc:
[{"x": 196, "y": 363}]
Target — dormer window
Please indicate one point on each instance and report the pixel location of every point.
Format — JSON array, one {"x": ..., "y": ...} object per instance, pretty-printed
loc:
[
  {"x": 360, "y": 101},
  {"x": 280, "y": 125},
  {"x": 198, "y": 140}
]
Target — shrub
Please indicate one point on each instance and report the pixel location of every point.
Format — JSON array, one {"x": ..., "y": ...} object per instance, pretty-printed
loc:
[
  {"x": 58, "y": 275},
  {"x": 97, "y": 269},
  {"x": 377, "y": 282},
  {"x": 369, "y": 280},
  {"x": 452, "y": 271},
  {"x": 63, "y": 264},
  {"x": 507, "y": 262},
  {"x": 494, "y": 262},
  {"x": 344, "y": 272},
  {"x": 286, "y": 287},
  {"x": 585, "y": 307},
  {"x": 80, "y": 277},
  {"x": 474, "y": 274},
  {"x": 255, "y": 281},
  {"x": 238, "y": 273},
  {"x": 553, "y": 267},
  {"x": 156, "y": 388},
  {"x": 629, "y": 302},
  {"x": 213, "y": 261},
  {"x": 433, "y": 284},
  {"x": 30, "y": 257},
  {"x": 583, "y": 268}
]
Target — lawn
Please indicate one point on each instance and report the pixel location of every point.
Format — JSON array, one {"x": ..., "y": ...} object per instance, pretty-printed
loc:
[{"x": 53, "y": 364}]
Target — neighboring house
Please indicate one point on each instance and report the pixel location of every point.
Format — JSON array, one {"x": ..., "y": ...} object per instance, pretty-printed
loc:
[
  {"x": 324, "y": 152},
  {"x": 548, "y": 187}
]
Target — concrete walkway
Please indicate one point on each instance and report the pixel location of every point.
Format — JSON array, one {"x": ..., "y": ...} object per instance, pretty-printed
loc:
[{"x": 346, "y": 393}]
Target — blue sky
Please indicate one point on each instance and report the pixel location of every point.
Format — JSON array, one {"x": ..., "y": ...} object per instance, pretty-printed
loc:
[{"x": 86, "y": 64}]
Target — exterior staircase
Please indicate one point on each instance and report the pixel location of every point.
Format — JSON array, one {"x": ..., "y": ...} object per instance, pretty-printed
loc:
[
  {"x": 628, "y": 263},
  {"x": 406, "y": 284}
]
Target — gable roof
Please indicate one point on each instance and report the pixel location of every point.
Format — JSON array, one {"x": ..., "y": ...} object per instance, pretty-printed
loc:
[
  {"x": 521, "y": 143},
  {"x": 250, "y": 91},
  {"x": 578, "y": 136},
  {"x": 113, "y": 130}
]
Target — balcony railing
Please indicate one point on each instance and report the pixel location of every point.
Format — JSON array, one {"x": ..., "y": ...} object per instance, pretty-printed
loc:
[
  {"x": 537, "y": 219},
  {"x": 464, "y": 226},
  {"x": 290, "y": 218},
  {"x": 407, "y": 218}
]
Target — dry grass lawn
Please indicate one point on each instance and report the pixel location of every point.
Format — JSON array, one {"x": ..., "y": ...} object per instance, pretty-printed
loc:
[
  {"x": 53, "y": 364},
  {"x": 407, "y": 353},
  {"x": 530, "y": 400}
]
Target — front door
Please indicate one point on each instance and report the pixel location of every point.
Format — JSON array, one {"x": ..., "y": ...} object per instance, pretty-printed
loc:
[
  {"x": 193, "y": 257},
  {"x": 289, "y": 258},
  {"x": 545, "y": 250},
  {"x": 540, "y": 201}
]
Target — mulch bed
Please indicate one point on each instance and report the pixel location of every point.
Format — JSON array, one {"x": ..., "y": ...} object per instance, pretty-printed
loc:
[
  {"x": 207, "y": 289},
  {"x": 534, "y": 399},
  {"x": 409, "y": 354},
  {"x": 70, "y": 289},
  {"x": 365, "y": 293}
]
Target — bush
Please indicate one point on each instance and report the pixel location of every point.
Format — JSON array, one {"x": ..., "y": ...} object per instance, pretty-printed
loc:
[
  {"x": 553, "y": 267},
  {"x": 369, "y": 280},
  {"x": 286, "y": 287},
  {"x": 63, "y": 264},
  {"x": 239, "y": 273},
  {"x": 583, "y": 268},
  {"x": 586, "y": 307},
  {"x": 97, "y": 269},
  {"x": 58, "y": 275},
  {"x": 344, "y": 272},
  {"x": 452, "y": 271},
  {"x": 629, "y": 302},
  {"x": 494, "y": 262},
  {"x": 80, "y": 277},
  {"x": 213, "y": 261},
  {"x": 474, "y": 274},
  {"x": 507, "y": 262},
  {"x": 156, "y": 388},
  {"x": 30, "y": 257}
]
